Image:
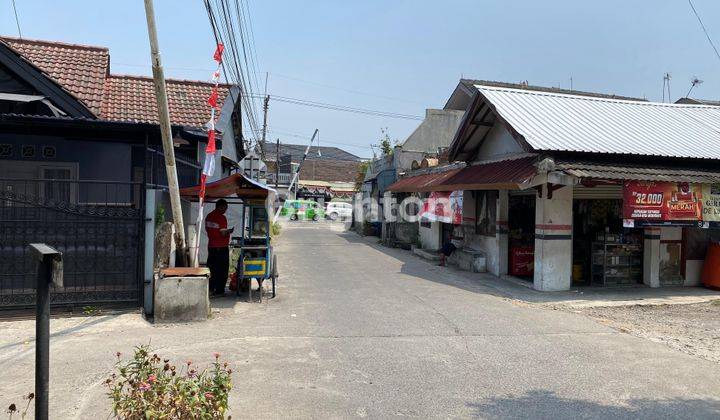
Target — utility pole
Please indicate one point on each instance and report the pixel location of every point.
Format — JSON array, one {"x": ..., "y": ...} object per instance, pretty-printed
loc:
[
  {"x": 277, "y": 162},
  {"x": 166, "y": 132},
  {"x": 266, "y": 105}
]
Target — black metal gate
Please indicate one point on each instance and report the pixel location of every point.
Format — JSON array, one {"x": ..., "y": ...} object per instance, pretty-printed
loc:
[{"x": 97, "y": 225}]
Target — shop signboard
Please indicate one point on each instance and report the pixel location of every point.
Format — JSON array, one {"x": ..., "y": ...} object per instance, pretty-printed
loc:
[
  {"x": 711, "y": 202},
  {"x": 668, "y": 203},
  {"x": 443, "y": 206}
]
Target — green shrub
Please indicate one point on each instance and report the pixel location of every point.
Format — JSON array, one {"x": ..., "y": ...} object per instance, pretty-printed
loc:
[
  {"x": 147, "y": 387},
  {"x": 275, "y": 229}
]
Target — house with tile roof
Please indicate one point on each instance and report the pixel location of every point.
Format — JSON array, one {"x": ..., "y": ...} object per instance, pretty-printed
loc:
[
  {"x": 82, "y": 166},
  {"x": 328, "y": 172}
]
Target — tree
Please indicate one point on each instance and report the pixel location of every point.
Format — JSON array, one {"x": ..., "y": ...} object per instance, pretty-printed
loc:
[
  {"x": 386, "y": 146},
  {"x": 362, "y": 170}
]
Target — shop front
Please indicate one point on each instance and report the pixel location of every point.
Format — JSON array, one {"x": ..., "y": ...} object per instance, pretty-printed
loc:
[
  {"x": 521, "y": 234},
  {"x": 605, "y": 252},
  {"x": 652, "y": 225}
]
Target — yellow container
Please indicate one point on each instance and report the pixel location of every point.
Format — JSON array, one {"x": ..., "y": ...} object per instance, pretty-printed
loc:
[
  {"x": 577, "y": 272},
  {"x": 254, "y": 267}
]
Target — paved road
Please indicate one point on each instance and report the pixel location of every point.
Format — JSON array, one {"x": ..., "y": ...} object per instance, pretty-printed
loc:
[{"x": 363, "y": 331}]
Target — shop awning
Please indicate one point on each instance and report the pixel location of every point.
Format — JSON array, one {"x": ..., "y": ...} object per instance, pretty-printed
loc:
[
  {"x": 234, "y": 186},
  {"x": 422, "y": 183},
  {"x": 510, "y": 174},
  {"x": 592, "y": 170}
]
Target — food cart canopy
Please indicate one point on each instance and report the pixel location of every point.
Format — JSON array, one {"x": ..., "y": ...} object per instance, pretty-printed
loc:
[{"x": 234, "y": 186}]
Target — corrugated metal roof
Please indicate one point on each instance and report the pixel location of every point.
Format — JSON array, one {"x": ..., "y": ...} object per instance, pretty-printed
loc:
[
  {"x": 563, "y": 122},
  {"x": 424, "y": 182},
  {"x": 504, "y": 174},
  {"x": 639, "y": 173}
]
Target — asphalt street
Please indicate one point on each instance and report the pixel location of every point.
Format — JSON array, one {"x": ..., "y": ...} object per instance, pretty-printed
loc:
[{"x": 359, "y": 330}]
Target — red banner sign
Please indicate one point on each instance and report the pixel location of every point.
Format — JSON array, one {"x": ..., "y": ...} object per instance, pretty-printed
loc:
[
  {"x": 443, "y": 207},
  {"x": 662, "y": 201}
]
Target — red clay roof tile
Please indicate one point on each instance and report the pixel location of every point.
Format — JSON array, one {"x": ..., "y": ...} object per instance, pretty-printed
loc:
[{"x": 84, "y": 71}]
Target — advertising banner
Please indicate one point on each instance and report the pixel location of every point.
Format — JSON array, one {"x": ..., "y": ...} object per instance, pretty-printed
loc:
[
  {"x": 711, "y": 202},
  {"x": 442, "y": 206},
  {"x": 662, "y": 201}
]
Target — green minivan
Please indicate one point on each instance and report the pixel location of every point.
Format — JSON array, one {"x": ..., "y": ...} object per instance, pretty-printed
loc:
[{"x": 302, "y": 210}]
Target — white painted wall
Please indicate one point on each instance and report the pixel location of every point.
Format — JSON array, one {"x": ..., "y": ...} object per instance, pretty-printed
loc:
[
  {"x": 498, "y": 143},
  {"x": 693, "y": 272},
  {"x": 553, "y": 258},
  {"x": 488, "y": 245},
  {"x": 651, "y": 257},
  {"x": 430, "y": 237}
]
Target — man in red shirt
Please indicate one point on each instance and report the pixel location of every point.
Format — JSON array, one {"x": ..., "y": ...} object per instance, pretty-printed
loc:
[{"x": 218, "y": 260}]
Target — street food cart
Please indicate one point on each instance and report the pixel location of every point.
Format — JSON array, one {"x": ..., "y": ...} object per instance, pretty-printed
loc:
[
  {"x": 252, "y": 241},
  {"x": 257, "y": 259}
]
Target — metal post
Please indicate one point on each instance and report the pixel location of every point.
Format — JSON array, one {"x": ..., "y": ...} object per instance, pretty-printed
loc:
[
  {"x": 277, "y": 163},
  {"x": 297, "y": 173},
  {"x": 265, "y": 110},
  {"x": 166, "y": 132},
  {"x": 49, "y": 270}
]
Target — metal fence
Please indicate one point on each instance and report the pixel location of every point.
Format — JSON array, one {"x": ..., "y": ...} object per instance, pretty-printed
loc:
[{"x": 97, "y": 225}]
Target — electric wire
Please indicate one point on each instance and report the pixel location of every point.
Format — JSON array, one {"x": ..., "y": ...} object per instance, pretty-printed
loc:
[
  {"x": 17, "y": 20},
  {"x": 345, "y": 108},
  {"x": 702, "y": 25}
]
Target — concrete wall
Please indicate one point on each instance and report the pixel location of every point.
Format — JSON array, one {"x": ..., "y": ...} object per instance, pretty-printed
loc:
[
  {"x": 553, "y": 240},
  {"x": 436, "y": 131},
  {"x": 406, "y": 232},
  {"x": 430, "y": 237},
  {"x": 651, "y": 257},
  {"x": 403, "y": 159},
  {"x": 181, "y": 299},
  {"x": 495, "y": 248}
]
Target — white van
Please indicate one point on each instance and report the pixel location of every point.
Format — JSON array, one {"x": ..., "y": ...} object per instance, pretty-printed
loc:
[{"x": 335, "y": 210}]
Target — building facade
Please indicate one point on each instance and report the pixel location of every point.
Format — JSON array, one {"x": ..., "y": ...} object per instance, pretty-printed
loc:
[
  {"x": 81, "y": 159},
  {"x": 573, "y": 188}
]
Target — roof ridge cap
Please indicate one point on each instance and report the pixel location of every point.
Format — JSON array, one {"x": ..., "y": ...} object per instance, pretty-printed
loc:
[
  {"x": 587, "y": 96},
  {"x": 10, "y": 39},
  {"x": 167, "y": 79}
]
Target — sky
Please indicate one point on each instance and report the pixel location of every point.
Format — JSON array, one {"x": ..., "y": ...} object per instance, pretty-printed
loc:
[{"x": 402, "y": 56}]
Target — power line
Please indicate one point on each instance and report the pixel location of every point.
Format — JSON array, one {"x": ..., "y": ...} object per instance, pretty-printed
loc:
[
  {"x": 300, "y": 136},
  {"x": 226, "y": 21},
  {"x": 707, "y": 35},
  {"x": 17, "y": 20},
  {"x": 357, "y": 92},
  {"x": 345, "y": 108}
]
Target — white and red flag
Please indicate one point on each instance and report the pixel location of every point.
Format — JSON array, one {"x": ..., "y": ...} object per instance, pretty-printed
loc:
[{"x": 211, "y": 148}]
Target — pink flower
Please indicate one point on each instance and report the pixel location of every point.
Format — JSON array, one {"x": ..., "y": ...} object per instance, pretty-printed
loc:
[
  {"x": 152, "y": 379},
  {"x": 209, "y": 395},
  {"x": 144, "y": 386},
  {"x": 217, "y": 355}
]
